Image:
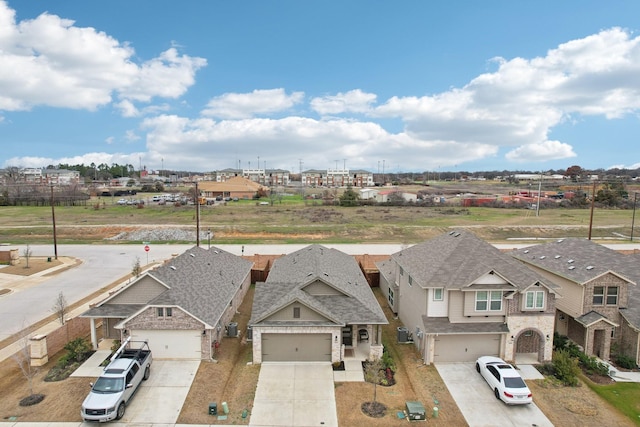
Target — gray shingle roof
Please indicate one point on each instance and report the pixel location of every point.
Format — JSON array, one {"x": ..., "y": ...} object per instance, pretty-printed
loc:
[
  {"x": 579, "y": 260},
  {"x": 202, "y": 282},
  {"x": 113, "y": 310},
  {"x": 455, "y": 260},
  {"x": 441, "y": 325},
  {"x": 292, "y": 272},
  {"x": 592, "y": 317}
]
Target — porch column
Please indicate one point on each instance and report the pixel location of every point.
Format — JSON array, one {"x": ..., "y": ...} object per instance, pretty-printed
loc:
[
  {"x": 94, "y": 337},
  {"x": 379, "y": 334}
]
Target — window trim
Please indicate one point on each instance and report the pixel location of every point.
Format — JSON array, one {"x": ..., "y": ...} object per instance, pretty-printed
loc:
[
  {"x": 296, "y": 312},
  {"x": 598, "y": 295},
  {"x": 160, "y": 311},
  {"x": 608, "y": 295},
  {"x": 534, "y": 302},
  {"x": 489, "y": 301},
  {"x": 435, "y": 294}
]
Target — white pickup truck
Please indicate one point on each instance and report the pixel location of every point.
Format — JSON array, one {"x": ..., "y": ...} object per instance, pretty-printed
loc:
[{"x": 119, "y": 381}]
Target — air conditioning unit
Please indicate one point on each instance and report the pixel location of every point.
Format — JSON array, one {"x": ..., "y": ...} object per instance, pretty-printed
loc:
[{"x": 403, "y": 334}]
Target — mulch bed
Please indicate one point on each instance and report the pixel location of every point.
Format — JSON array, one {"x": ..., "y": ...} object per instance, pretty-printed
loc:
[{"x": 374, "y": 409}]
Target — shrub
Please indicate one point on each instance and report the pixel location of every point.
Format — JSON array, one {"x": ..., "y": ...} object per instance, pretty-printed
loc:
[
  {"x": 566, "y": 368},
  {"x": 77, "y": 350},
  {"x": 592, "y": 365},
  {"x": 625, "y": 362}
]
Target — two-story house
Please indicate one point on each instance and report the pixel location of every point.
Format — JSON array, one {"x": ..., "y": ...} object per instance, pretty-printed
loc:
[
  {"x": 598, "y": 287},
  {"x": 461, "y": 298}
]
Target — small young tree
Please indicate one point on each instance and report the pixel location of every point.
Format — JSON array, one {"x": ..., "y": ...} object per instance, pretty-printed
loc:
[
  {"x": 374, "y": 373},
  {"x": 27, "y": 254},
  {"x": 60, "y": 307},
  {"x": 136, "y": 269},
  {"x": 23, "y": 359}
]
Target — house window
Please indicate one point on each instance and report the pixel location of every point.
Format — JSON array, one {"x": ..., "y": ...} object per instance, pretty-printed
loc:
[
  {"x": 401, "y": 271},
  {"x": 613, "y": 332},
  {"x": 438, "y": 294},
  {"x": 612, "y": 295},
  {"x": 160, "y": 311},
  {"x": 391, "y": 296},
  {"x": 410, "y": 281},
  {"x": 168, "y": 312},
  {"x": 296, "y": 312},
  {"x": 598, "y": 295},
  {"x": 534, "y": 300},
  {"x": 489, "y": 300}
]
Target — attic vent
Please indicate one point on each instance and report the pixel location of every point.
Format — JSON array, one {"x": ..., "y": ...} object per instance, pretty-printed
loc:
[
  {"x": 456, "y": 235},
  {"x": 589, "y": 267},
  {"x": 571, "y": 267},
  {"x": 192, "y": 255},
  {"x": 543, "y": 257},
  {"x": 570, "y": 261},
  {"x": 326, "y": 274},
  {"x": 172, "y": 267},
  {"x": 558, "y": 256},
  {"x": 451, "y": 233},
  {"x": 216, "y": 252},
  {"x": 526, "y": 251},
  {"x": 560, "y": 240},
  {"x": 309, "y": 274}
]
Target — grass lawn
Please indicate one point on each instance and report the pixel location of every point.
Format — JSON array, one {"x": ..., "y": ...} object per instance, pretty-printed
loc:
[{"x": 622, "y": 395}]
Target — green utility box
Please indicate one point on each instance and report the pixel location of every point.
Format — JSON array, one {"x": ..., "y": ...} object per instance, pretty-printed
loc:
[
  {"x": 416, "y": 411},
  {"x": 213, "y": 408}
]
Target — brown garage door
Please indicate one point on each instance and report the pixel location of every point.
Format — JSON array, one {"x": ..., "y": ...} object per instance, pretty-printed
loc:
[
  {"x": 465, "y": 348},
  {"x": 296, "y": 347}
]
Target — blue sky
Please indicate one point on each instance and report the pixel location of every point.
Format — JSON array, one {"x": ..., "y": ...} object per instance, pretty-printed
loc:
[{"x": 401, "y": 86}]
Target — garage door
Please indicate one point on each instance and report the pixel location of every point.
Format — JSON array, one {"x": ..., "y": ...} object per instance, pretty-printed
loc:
[
  {"x": 296, "y": 347},
  {"x": 170, "y": 344},
  {"x": 465, "y": 348}
]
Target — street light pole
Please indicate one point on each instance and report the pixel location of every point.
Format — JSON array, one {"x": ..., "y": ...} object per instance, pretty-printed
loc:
[
  {"x": 53, "y": 217},
  {"x": 209, "y": 238},
  {"x": 633, "y": 219}
]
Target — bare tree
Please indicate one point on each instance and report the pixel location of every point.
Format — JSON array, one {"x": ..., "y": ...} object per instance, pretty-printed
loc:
[
  {"x": 60, "y": 307},
  {"x": 27, "y": 254},
  {"x": 23, "y": 359},
  {"x": 374, "y": 373},
  {"x": 136, "y": 269}
]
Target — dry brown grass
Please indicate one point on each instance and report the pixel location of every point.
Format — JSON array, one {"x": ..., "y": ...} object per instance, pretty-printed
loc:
[{"x": 36, "y": 265}]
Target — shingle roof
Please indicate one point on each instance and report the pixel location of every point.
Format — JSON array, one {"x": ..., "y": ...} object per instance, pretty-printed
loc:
[
  {"x": 455, "y": 260},
  {"x": 292, "y": 272},
  {"x": 202, "y": 282},
  {"x": 578, "y": 260},
  {"x": 442, "y": 325}
]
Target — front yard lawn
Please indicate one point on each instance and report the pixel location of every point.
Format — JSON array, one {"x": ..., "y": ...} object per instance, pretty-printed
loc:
[{"x": 621, "y": 395}]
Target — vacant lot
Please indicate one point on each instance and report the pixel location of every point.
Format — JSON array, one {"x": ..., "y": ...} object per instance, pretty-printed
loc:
[{"x": 303, "y": 223}]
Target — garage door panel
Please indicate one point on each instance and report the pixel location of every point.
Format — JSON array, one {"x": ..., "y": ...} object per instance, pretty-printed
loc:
[
  {"x": 296, "y": 347},
  {"x": 171, "y": 344},
  {"x": 465, "y": 348}
]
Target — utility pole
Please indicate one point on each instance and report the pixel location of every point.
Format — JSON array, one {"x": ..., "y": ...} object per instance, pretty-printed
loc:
[
  {"x": 197, "y": 199},
  {"x": 633, "y": 219},
  {"x": 593, "y": 200},
  {"x": 53, "y": 217}
]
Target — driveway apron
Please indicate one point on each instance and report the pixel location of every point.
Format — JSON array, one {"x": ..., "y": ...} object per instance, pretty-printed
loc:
[
  {"x": 160, "y": 398},
  {"x": 478, "y": 404},
  {"x": 295, "y": 394}
]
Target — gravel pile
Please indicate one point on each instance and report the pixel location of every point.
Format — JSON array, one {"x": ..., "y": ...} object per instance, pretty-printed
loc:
[{"x": 159, "y": 235}]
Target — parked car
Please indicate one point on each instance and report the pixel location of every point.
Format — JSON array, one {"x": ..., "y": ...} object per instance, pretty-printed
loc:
[
  {"x": 122, "y": 201},
  {"x": 112, "y": 391},
  {"x": 504, "y": 380}
]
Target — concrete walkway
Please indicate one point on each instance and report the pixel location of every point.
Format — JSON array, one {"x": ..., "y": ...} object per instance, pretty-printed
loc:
[{"x": 295, "y": 394}]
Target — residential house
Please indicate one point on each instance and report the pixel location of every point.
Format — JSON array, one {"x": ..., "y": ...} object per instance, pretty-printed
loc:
[
  {"x": 459, "y": 298},
  {"x": 238, "y": 186},
  {"x": 600, "y": 304},
  {"x": 315, "y": 305},
  {"x": 181, "y": 308}
]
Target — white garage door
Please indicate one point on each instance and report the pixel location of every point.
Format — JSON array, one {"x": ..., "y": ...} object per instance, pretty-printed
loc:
[
  {"x": 296, "y": 347},
  {"x": 465, "y": 348},
  {"x": 171, "y": 344}
]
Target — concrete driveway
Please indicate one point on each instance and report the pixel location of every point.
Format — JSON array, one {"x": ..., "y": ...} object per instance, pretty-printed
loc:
[
  {"x": 160, "y": 398},
  {"x": 295, "y": 394},
  {"x": 477, "y": 403}
]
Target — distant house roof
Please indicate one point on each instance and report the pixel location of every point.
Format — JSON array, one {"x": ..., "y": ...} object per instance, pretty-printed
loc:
[
  {"x": 236, "y": 184},
  {"x": 456, "y": 259},
  {"x": 201, "y": 282},
  {"x": 355, "y": 302}
]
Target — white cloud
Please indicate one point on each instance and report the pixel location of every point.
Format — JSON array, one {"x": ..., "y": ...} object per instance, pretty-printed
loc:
[
  {"x": 246, "y": 105},
  {"x": 547, "y": 150},
  {"x": 354, "y": 101},
  {"x": 47, "y": 61}
]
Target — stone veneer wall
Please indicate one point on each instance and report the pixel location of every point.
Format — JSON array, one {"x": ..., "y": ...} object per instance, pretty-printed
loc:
[{"x": 542, "y": 325}]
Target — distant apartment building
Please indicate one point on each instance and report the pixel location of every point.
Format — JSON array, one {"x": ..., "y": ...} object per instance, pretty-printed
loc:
[
  {"x": 266, "y": 177},
  {"x": 39, "y": 176},
  {"x": 337, "y": 178}
]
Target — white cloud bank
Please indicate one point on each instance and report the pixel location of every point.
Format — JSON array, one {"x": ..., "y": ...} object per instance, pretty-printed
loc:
[{"x": 509, "y": 112}]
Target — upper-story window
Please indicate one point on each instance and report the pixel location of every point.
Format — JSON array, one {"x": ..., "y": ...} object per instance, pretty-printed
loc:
[
  {"x": 410, "y": 280},
  {"x": 598, "y": 295},
  {"x": 612, "y": 295},
  {"x": 489, "y": 301},
  {"x": 438, "y": 294},
  {"x": 534, "y": 300},
  {"x": 401, "y": 271}
]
